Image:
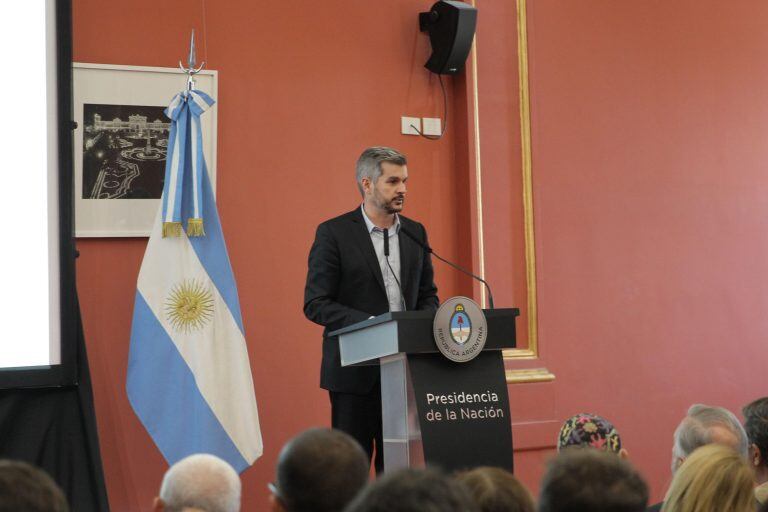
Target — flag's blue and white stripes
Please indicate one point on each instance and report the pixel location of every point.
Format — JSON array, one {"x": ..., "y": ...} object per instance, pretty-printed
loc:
[
  {"x": 189, "y": 376},
  {"x": 180, "y": 165}
]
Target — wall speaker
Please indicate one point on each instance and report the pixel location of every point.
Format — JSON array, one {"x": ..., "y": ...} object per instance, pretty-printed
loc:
[{"x": 451, "y": 27}]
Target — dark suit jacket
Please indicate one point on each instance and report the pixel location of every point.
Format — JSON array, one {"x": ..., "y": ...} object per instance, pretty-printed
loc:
[
  {"x": 655, "y": 508},
  {"x": 345, "y": 286}
]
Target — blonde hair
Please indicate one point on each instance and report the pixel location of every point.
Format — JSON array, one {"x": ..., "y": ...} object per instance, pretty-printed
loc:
[{"x": 714, "y": 477}]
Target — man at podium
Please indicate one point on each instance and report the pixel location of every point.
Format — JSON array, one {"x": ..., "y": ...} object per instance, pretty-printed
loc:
[{"x": 362, "y": 264}]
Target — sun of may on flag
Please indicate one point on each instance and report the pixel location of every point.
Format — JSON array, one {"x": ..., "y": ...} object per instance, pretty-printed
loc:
[{"x": 189, "y": 377}]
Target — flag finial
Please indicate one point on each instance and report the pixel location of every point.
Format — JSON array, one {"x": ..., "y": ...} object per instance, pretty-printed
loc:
[{"x": 191, "y": 61}]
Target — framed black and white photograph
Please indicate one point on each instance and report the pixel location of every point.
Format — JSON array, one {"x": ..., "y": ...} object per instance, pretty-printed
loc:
[{"x": 121, "y": 141}]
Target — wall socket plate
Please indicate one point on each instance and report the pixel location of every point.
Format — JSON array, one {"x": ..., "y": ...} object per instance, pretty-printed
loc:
[
  {"x": 432, "y": 126},
  {"x": 406, "y": 127}
]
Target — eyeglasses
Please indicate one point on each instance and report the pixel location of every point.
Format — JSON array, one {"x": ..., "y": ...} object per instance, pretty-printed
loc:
[{"x": 275, "y": 492}]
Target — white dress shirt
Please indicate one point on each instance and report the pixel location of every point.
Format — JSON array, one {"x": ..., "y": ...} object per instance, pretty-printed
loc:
[{"x": 394, "y": 294}]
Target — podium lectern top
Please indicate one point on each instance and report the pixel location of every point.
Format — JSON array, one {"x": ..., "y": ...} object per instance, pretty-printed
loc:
[{"x": 410, "y": 332}]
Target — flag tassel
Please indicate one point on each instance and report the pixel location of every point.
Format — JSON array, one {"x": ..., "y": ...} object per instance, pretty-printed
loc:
[
  {"x": 171, "y": 229},
  {"x": 195, "y": 227}
]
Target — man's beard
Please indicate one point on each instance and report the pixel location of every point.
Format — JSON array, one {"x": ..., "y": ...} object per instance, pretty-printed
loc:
[{"x": 390, "y": 207}]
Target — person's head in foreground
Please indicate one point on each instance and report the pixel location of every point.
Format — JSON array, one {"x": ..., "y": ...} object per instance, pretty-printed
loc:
[
  {"x": 586, "y": 430},
  {"x": 713, "y": 478},
  {"x": 319, "y": 470},
  {"x": 496, "y": 490},
  {"x": 705, "y": 425},
  {"x": 756, "y": 425},
  {"x": 24, "y": 487},
  {"x": 200, "y": 482},
  {"x": 591, "y": 481},
  {"x": 413, "y": 490}
]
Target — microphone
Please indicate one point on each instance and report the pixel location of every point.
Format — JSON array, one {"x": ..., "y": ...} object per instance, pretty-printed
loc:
[
  {"x": 386, "y": 256},
  {"x": 429, "y": 250}
]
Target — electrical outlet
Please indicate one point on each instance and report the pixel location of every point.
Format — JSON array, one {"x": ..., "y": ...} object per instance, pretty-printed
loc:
[
  {"x": 432, "y": 126},
  {"x": 407, "y": 124}
]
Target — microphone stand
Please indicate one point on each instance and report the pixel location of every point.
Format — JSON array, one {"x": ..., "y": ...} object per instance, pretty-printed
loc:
[{"x": 457, "y": 267}]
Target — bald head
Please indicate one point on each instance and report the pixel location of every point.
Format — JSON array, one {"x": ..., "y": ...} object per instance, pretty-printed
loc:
[{"x": 200, "y": 483}]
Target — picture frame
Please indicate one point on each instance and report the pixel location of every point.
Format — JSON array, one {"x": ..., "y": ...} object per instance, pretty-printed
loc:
[{"x": 120, "y": 142}]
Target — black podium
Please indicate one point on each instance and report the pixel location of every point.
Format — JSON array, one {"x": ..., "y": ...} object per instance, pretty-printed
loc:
[{"x": 436, "y": 412}]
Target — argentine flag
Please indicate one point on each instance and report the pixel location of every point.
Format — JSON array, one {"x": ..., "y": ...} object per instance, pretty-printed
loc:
[{"x": 189, "y": 376}]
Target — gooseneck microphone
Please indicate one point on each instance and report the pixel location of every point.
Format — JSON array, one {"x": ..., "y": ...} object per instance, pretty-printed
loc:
[
  {"x": 428, "y": 249},
  {"x": 386, "y": 256}
]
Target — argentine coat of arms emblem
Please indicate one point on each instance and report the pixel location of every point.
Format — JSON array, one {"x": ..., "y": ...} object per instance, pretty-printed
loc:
[{"x": 460, "y": 329}]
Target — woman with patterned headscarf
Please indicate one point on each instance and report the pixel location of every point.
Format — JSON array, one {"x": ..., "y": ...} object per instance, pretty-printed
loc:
[{"x": 587, "y": 430}]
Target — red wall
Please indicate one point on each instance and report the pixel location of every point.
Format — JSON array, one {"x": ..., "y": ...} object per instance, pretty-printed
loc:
[
  {"x": 649, "y": 165},
  {"x": 648, "y": 123}
]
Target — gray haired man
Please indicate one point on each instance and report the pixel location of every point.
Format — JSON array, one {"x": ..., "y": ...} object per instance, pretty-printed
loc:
[
  {"x": 199, "y": 483},
  {"x": 702, "y": 425},
  {"x": 707, "y": 425},
  {"x": 365, "y": 263}
]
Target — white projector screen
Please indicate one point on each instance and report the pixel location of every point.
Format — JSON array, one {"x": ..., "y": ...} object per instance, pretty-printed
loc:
[{"x": 30, "y": 209}]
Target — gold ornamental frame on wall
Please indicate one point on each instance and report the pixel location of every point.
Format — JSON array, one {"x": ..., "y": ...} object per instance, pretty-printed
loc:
[{"x": 531, "y": 352}]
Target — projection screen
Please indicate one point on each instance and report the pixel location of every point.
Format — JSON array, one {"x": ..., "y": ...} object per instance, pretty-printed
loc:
[{"x": 38, "y": 314}]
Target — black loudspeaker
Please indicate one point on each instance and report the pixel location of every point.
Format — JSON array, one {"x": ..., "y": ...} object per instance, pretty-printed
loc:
[{"x": 451, "y": 27}]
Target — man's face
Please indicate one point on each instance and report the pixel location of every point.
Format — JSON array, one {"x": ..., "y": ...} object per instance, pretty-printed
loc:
[{"x": 388, "y": 193}]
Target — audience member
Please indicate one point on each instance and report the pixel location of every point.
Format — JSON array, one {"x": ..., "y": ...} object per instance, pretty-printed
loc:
[
  {"x": 705, "y": 425},
  {"x": 594, "y": 481},
  {"x": 590, "y": 430},
  {"x": 319, "y": 470},
  {"x": 713, "y": 478},
  {"x": 756, "y": 425},
  {"x": 413, "y": 490},
  {"x": 24, "y": 487},
  {"x": 496, "y": 490},
  {"x": 200, "y": 483}
]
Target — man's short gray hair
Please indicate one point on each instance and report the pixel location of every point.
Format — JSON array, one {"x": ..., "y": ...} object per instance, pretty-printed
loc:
[
  {"x": 201, "y": 482},
  {"x": 369, "y": 163},
  {"x": 696, "y": 430}
]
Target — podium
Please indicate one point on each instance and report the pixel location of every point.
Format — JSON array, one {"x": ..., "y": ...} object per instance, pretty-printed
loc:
[{"x": 436, "y": 412}]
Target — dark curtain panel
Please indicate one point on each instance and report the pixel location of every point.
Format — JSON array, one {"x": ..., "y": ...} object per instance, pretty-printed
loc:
[{"x": 55, "y": 429}]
